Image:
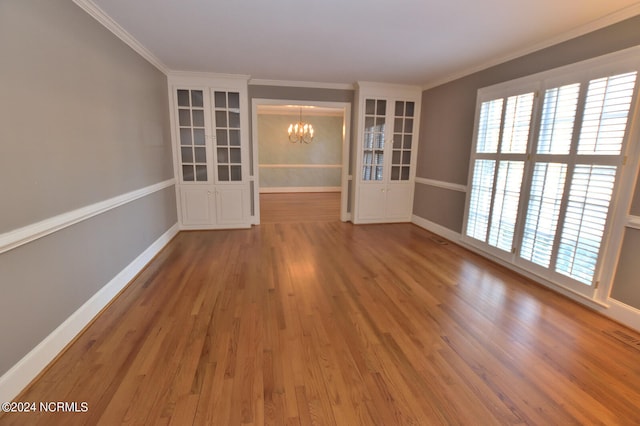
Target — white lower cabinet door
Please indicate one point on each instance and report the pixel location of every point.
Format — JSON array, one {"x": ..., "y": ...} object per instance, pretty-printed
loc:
[
  {"x": 399, "y": 202},
  {"x": 371, "y": 202},
  {"x": 197, "y": 208},
  {"x": 232, "y": 205}
]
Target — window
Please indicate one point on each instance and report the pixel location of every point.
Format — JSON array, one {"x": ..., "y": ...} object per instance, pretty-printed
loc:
[
  {"x": 503, "y": 133},
  {"x": 544, "y": 167}
]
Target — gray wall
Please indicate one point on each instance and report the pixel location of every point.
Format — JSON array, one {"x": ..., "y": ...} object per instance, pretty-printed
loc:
[
  {"x": 300, "y": 93},
  {"x": 447, "y": 212},
  {"x": 635, "y": 205},
  {"x": 626, "y": 286},
  {"x": 83, "y": 118},
  {"x": 446, "y": 125}
]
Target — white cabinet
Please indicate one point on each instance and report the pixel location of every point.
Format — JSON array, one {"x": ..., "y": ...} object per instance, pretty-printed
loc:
[
  {"x": 387, "y": 140},
  {"x": 210, "y": 146}
]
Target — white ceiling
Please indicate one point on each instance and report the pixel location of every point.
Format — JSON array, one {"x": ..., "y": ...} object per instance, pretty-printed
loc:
[{"x": 343, "y": 41}]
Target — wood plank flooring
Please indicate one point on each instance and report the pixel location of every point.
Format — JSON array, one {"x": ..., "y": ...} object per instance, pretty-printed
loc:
[
  {"x": 328, "y": 323},
  {"x": 299, "y": 207}
]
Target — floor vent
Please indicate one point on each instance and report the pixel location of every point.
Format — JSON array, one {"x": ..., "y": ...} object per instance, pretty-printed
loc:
[
  {"x": 439, "y": 241},
  {"x": 625, "y": 338}
]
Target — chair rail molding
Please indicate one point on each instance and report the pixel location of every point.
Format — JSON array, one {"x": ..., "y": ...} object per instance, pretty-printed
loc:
[
  {"x": 442, "y": 184},
  {"x": 17, "y": 237},
  {"x": 633, "y": 222}
]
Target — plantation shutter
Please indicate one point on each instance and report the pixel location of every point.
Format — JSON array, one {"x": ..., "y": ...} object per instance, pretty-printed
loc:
[
  {"x": 502, "y": 139},
  {"x": 602, "y": 133},
  {"x": 589, "y": 198},
  {"x": 568, "y": 170}
]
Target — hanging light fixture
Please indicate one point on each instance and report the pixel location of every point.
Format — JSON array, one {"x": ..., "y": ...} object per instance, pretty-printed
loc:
[{"x": 300, "y": 131}]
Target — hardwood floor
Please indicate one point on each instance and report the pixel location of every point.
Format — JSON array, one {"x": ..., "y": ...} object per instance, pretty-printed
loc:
[
  {"x": 299, "y": 207},
  {"x": 330, "y": 323}
]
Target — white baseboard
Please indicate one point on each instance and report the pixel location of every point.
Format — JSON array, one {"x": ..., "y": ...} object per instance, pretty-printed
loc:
[
  {"x": 624, "y": 314},
  {"x": 436, "y": 229},
  {"x": 25, "y": 370},
  {"x": 300, "y": 189}
]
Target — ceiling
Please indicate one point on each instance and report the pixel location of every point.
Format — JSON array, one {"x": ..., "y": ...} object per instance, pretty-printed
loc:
[{"x": 342, "y": 41}]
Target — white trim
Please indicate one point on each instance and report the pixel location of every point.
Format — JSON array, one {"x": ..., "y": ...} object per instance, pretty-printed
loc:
[
  {"x": 633, "y": 222},
  {"x": 605, "y": 21},
  {"x": 101, "y": 16},
  {"x": 277, "y": 189},
  {"x": 436, "y": 229},
  {"x": 308, "y": 84},
  {"x": 300, "y": 166},
  {"x": 25, "y": 370},
  {"x": 623, "y": 313},
  {"x": 205, "y": 78},
  {"x": 17, "y": 237},
  {"x": 442, "y": 184}
]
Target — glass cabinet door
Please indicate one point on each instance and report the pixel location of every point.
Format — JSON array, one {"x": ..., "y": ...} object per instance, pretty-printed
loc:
[
  {"x": 374, "y": 139},
  {"x": 226, "y": 114},
  {"x": 402, "y": 140},
  {"x": 191, "y": 125}
]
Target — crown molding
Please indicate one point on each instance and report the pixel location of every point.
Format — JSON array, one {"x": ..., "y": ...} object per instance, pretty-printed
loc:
[
  {"x": 208, "y": 75},
  {"x": 101, "y": 16},
  {"x": 605, "y": 21},
  {"x": 307, "y": 84}
]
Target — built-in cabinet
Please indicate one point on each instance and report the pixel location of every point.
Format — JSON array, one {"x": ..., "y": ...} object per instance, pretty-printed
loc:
[
  {"x": 387, "y": 138},
  {"x": 210, "y": 146}
]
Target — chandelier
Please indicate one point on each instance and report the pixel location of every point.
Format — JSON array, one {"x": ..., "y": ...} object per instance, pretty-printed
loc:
[{"x": 300, "y": 131}]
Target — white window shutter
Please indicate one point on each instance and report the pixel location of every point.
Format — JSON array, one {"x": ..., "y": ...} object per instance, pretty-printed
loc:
[
  {"x": 584, "y": 222},
  {"x": 541, "y": 223},
  {"x": 605, "y": 114}
]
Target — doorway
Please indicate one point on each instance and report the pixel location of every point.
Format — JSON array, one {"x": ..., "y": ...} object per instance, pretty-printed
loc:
[{"x": 297, "y": 178}]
